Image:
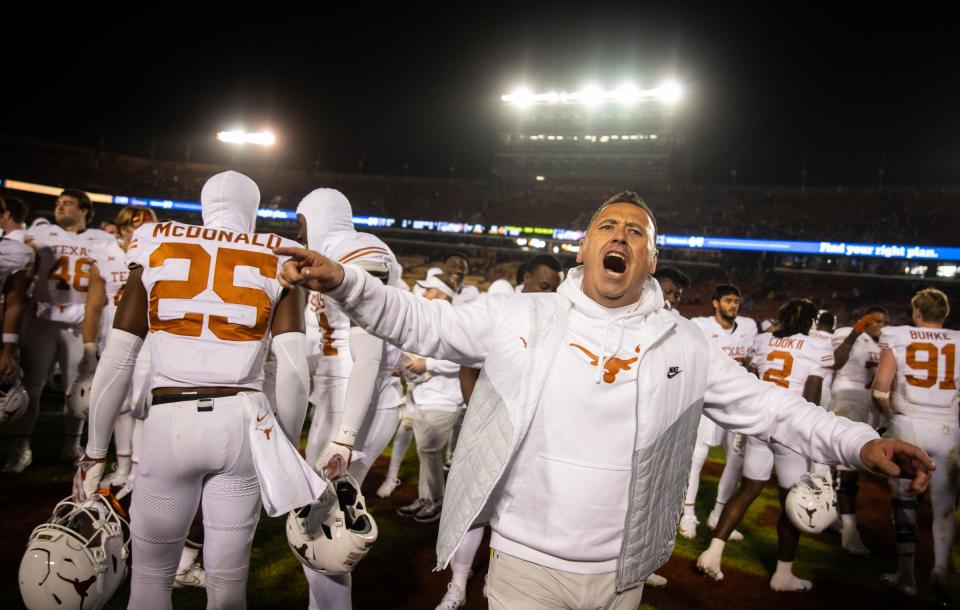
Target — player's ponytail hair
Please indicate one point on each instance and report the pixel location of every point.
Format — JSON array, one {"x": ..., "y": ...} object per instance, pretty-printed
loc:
[
  {"x": 796, "y": 317},
  {"x": 932, "y": 305}
]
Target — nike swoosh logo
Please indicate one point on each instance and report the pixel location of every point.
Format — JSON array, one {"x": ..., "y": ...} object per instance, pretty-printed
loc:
[
  {"x": 673, "y": 372},
  {"x": 261, "y": 418}
]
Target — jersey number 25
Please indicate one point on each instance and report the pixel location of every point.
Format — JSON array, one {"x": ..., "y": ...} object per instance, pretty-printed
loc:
[{"x": 198, "y": 280}]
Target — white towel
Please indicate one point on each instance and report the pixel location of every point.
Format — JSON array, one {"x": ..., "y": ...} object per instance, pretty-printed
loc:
[{"x": 287, "y": 482}]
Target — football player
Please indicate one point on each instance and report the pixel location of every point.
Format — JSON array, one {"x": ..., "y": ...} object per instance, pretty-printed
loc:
[
  {"x": 13, "y": 218},
  {"x": 856, "y": 352},
  {"x": 54, "y": 324},
  {"x": 107, "y": 279},
  {"x": 916, "y": 386},
  {"x": 797, "y": 362},
  {"x": 735, "y": 335},
  {"x": 16, "y": 260},
  {"x": 356, "y": 402},
  {"x": 209, "y": 297},
  {"x": 672, "y": 282}
]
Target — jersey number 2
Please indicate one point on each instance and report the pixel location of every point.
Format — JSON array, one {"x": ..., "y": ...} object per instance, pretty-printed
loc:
[
  {"x": 779, "y": 376},
  {"x": 198, "y": 279}
]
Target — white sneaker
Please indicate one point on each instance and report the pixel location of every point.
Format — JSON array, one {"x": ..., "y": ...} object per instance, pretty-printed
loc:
[
  {"x": 453, "y": 598},
  {"x": 903, "y": 585},
  {"x": 117, "y": 478},
  {"x": 191, "y": 577},
  {"x": 688, "y": 526},
  {"x": 709, "y": 563},
  {"x": 786, "y": 581},
  {"x": 851, "y": 543},
  {"x": 712, "y": 521},
  {"x": 18, "y": 461},
  {"x": 413, "y": 508},
  {"x": 655, "y": 580},
  {"x": 386, "y": 488},
  {"x": 430, "y": 512}
]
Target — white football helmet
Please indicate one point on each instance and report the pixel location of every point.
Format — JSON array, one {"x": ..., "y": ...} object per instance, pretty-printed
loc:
[
  {"x": 13, "y": 398},
  {"x": 333, "y": 540},
  {"x": 78, "y": 558},
  {"x": 78, "y": 398},
  {"x": 812, "y": 503},
  {"x": 408, "y": 375}
]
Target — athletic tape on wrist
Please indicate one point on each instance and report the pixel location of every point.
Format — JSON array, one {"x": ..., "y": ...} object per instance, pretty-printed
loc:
[
  {"x": 11, "y": 338},
  {"x": 346, "y": 436}
]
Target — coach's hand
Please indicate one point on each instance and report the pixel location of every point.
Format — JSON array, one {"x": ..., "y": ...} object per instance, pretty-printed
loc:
[
  {"x": 310, "y": 269},
  {"x": 896, "y": 458}
]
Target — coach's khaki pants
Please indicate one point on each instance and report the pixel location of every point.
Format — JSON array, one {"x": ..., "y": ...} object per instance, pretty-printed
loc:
[
  {"x": 515, "y": 584},
  {"x": 432, "y": 428}
]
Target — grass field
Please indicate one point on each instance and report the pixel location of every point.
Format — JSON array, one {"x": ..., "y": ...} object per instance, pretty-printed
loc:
[{"x": 397, "y": 574}]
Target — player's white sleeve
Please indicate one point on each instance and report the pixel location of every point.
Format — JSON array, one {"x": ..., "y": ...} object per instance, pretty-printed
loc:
[
  {"x": 366, "y": 352},
  {"x": 111, "y": 384},
  {"x": 293, "y": 382}
]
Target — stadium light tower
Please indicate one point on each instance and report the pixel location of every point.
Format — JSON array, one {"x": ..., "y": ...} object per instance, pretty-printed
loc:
[
  {"x": 239, "y": 136},
  {"x": 670, "y": 92}
]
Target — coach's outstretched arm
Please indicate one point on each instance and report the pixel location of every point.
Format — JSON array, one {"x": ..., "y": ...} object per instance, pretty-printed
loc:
[
  {"x": 428, "y": 327},
  {"x": 738, "y": 401}
]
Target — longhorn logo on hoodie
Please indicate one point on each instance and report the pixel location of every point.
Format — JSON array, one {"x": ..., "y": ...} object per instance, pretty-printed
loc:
[{"x": 611, "y": 364}]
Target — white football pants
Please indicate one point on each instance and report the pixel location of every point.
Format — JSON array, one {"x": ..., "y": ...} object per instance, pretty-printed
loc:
[{"x": 188, "y": 456}]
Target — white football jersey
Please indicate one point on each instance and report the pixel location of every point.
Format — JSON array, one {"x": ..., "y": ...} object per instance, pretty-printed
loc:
[
  {"x": 828, "y": 337},
  {"x": 861, "y": 366},
  {"x": 736, "y": 342},
  {"x": 111, "y": 262},
  {"x": 63, "y": 270},
  {"x": 14, "y": 257},
  {"x": 927, "y": 371},
  {"x": 17, "y": 235},
  {"x": 334, "y": 325},
  {"x": 211, "y": 295},
  {"x": 788, "y": 361}
]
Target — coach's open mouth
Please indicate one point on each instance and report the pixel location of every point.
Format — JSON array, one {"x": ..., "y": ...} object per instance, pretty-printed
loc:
[{"x": 615, "y": 264}]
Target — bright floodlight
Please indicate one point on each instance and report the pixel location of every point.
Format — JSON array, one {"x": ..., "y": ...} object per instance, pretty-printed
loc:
[
  {"x": 591, "y": 95},
  {"x": 521, "y": 97},
  {"x": 670, "y": 92},
  {"x": 627, "y": 93},
  {"x": 239, "y": 136}
]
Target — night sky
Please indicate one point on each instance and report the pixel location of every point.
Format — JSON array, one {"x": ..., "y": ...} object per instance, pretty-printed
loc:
[{"x": 767, "y": 86}]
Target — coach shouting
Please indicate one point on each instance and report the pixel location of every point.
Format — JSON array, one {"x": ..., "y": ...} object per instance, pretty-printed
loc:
[{"x": 577, "y": 444}]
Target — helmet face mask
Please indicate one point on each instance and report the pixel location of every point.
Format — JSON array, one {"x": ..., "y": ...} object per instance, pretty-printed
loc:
[
  {"x": 811, "y": 503},
  {"x": 78, "y": 558},
  {"x": 332, "y": 539},
  {"x": 13, "y": 398}
]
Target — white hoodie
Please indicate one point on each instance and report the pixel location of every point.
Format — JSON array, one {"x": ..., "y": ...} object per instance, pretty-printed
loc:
[
  {"x": 230, "y": 200},
  {"x": 572, "y": 472}
]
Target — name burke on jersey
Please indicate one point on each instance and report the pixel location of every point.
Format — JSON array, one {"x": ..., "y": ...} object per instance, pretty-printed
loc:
[
  {"x": 170, "y": 229},
  {"x": 920, "y": 335}
]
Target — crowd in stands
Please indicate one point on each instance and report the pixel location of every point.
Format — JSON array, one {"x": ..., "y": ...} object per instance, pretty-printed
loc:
[{"x": 904, "y": 215}]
